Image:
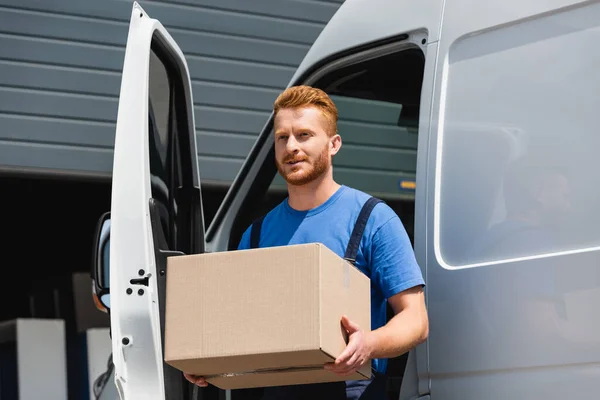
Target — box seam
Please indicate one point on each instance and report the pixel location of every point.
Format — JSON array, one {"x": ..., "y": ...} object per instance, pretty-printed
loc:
[{"x": 320, "y": 296}]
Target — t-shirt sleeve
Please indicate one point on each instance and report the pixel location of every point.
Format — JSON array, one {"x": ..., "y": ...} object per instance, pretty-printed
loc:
[
  {"x": 245, "y": 240},
  {"x": 394, "y": 267}
]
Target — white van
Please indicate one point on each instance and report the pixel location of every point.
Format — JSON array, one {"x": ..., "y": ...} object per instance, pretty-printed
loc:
[{"x": 490, "y": 107}]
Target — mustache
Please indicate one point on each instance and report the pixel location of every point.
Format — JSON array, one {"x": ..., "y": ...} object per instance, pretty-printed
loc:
[{"x": 292, "y": 158}]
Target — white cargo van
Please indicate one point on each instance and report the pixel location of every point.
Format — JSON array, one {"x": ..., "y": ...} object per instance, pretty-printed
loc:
[{"x": 490, "y": 107}]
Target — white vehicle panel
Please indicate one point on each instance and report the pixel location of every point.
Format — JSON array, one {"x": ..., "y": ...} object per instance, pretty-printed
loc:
[
  {"x": 136, "y": 334},
  {"x": 512, "y": 317},
  {"x": 358, "y": 22}
]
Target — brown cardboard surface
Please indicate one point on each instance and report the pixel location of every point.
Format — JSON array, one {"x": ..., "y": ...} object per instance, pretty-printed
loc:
[
  {"x": 282, "y": 378},
  {"x": 240, "y": 312},
  {"x": 248, "y": 363},
  {"x": 338, "y": 300}
]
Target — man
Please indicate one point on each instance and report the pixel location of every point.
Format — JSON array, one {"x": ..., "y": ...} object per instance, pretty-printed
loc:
[{"x": 318, "y": 209}]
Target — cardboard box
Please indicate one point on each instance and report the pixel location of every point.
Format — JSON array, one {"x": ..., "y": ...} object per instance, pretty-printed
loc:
[{"x": 263, "y": 317}]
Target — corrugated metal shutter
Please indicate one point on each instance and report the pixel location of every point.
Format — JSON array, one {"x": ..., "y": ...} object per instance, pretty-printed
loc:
[{"x": 60, "y": 64}]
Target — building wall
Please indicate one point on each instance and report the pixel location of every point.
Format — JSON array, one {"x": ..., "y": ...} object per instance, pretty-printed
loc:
[{"x": 60, "y": 70}]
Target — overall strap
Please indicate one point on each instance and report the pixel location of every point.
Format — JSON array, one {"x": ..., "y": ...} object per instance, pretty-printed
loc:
[
  {"x": 359, "y": 227},
  {"x": 255, "y": 232}
]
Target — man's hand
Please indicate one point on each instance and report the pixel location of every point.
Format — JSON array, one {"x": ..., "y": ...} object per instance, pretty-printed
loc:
[
  {"x": 196, "y": 380},
  {"x": 356, "y": 353}
]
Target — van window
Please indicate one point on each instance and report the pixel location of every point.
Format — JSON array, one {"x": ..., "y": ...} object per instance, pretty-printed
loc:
[
  {"x": 519, "y": 146},
  {"x": 166, "y": 124},
  {"x": 159, "y": 140}
]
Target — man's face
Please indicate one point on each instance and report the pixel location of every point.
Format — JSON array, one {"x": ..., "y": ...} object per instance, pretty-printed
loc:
[{"x": 303, "y": 148}]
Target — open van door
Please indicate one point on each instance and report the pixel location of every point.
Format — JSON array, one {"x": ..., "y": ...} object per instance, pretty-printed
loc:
[{"x": 156, "y": 208}]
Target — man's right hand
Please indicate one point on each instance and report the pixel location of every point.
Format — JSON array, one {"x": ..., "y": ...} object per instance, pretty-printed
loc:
[{"x": 196, "y": 380}]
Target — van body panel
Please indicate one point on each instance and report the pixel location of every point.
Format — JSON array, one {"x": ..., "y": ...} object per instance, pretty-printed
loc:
[
  {"x": 154, "y": 201},
  {"x": 357, "y": 23},
  {"x": 134, "y": 319},
  {"x": 512, "y": 276},
  {"x": 421, "y": 358}
]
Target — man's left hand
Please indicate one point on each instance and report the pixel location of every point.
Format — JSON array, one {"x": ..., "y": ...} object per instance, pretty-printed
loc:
[{"x": 356, "y": 353}]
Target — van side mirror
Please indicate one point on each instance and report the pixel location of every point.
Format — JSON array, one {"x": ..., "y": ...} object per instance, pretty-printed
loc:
[{"x": 100, "y": 270}]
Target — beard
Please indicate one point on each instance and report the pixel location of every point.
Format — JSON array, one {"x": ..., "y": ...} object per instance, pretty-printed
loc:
[{"x": 310, "y": 172}]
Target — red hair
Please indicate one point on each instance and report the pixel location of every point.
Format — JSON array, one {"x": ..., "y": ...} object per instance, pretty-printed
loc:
[{"x": 307, "y": 96}]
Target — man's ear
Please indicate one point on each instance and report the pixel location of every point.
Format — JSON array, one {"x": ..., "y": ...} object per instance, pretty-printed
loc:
[{"x": 335, "y": 143}]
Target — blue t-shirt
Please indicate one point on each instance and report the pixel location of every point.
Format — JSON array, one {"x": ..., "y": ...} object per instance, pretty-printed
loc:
[{"x": 385, "y": 254}]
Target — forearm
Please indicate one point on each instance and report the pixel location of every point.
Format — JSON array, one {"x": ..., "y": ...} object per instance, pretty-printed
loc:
[{"x": 403, "y": 332}]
